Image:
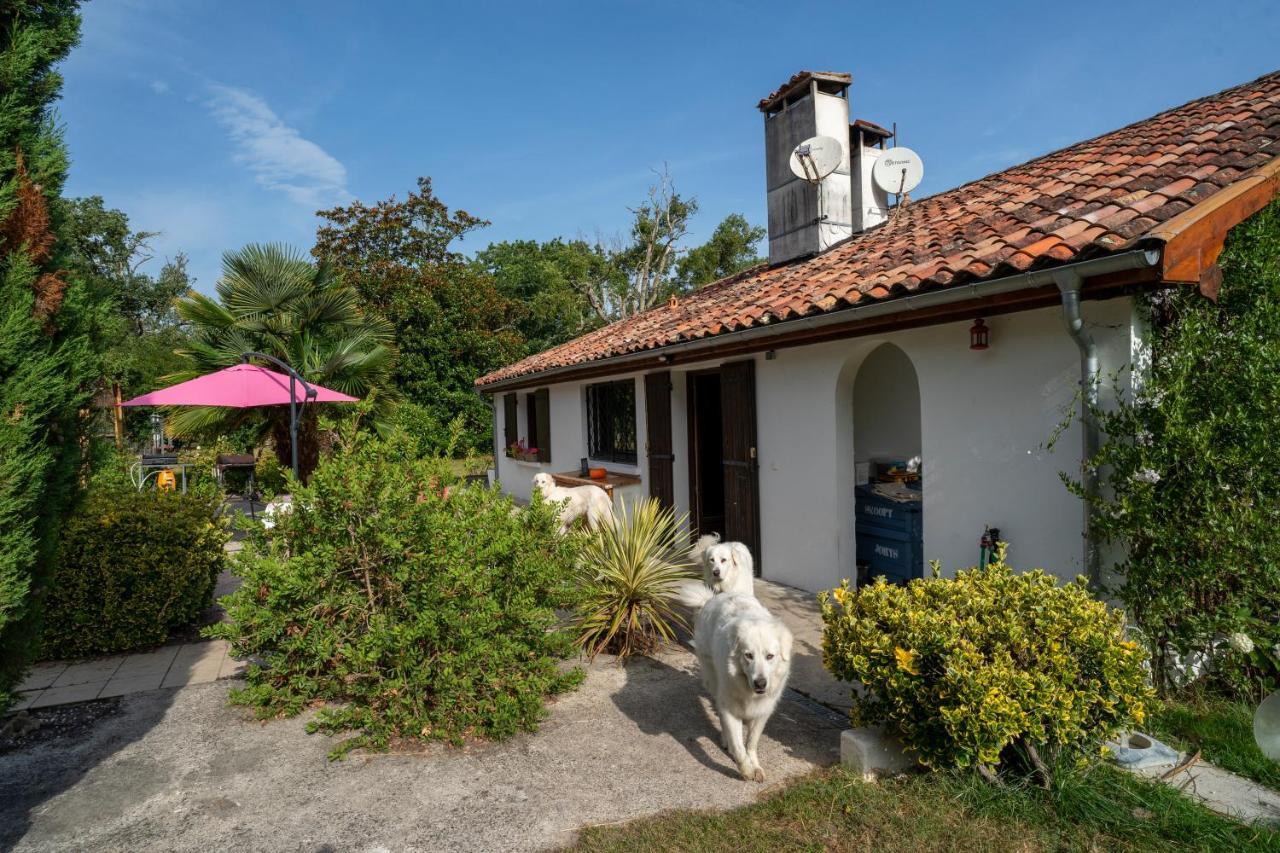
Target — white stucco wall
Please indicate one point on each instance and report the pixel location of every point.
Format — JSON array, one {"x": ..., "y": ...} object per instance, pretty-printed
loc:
[
  {"x": 984, "y": 420},
  {"x": 886, "y": 406},
  {"x": 568, "y": 440}
]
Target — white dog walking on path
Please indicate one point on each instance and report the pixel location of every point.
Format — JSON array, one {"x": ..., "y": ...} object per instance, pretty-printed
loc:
[
  {"x": 726, "y": 566},
  {"x": 745, "y": 656},
  {"x": 591, "y": 502}
]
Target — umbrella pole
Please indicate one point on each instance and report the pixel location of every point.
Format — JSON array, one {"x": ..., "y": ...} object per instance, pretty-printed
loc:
[
  {"x": 293, "y": 425},
  {"x": 294, "y": 377}
]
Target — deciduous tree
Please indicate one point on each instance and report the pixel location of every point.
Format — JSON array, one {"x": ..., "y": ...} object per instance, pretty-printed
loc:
[
  {"x": 451, "y": 324},
  {"x": 731, "y": 249}
]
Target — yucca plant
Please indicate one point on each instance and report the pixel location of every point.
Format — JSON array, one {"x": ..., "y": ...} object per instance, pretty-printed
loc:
[{"x": 630, "y": 572}]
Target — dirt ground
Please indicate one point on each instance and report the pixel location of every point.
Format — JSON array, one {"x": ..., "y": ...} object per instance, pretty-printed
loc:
[{"x": 182, "y": 770}]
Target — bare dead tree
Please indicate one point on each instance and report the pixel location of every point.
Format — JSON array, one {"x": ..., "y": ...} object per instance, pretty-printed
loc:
[{"x": 638, "y": 274}]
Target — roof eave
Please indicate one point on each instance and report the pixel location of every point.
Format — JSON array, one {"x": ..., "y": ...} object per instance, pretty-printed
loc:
[
  {"x": 1143, "y": 259},
  {"x": 1193, "y": 239}
]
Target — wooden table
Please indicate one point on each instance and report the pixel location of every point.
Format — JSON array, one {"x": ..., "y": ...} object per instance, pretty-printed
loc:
[{"x": 612, "y": 480}]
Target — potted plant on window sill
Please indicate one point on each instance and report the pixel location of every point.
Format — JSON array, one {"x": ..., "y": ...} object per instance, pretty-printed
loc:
[{"x": 521, "y": 452}]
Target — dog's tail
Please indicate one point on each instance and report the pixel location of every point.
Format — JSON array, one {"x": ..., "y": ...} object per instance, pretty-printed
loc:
[
  {"x": 699, "y": 550},
  {"x": 693, "y": 593}
]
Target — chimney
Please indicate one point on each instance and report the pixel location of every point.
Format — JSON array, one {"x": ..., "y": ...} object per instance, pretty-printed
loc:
[
  {"x": 867, "y": 141},
  {"x": 805, "y": 218}
]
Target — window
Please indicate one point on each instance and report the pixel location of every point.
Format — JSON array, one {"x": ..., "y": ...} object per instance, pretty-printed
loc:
[{"x": 611, "y": 421}]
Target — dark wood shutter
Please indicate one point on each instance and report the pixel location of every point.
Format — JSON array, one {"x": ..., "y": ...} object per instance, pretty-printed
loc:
[
  {"x": 741, "y": 467},
  {"x": 657, "y": 407},
  {"x": 542, "y": 421},
  {"x": 510, "y": 431}
]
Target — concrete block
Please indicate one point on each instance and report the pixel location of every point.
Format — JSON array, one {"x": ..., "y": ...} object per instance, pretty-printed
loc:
[{"x": 873, "y": 752}]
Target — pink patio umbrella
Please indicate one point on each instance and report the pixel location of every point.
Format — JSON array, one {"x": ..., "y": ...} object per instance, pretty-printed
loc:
[{"x": 247, "y": 386}]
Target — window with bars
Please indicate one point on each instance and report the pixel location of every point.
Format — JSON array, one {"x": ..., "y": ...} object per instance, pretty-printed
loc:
[{"x": 611, "y": 421}]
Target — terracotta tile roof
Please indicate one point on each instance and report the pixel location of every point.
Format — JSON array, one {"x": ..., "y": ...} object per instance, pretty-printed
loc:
[{"x": 1098, "y": 197}]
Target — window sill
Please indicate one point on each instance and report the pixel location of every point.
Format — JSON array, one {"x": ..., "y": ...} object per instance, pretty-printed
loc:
[
  {"x": 527, "y": 463},
  {"x": 619, "y": 467}
]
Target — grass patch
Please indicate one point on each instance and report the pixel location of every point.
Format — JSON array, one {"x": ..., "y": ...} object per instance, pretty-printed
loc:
[
  {"x": 1220, "y": 728},
  {"x": 1098, "y": 808}
]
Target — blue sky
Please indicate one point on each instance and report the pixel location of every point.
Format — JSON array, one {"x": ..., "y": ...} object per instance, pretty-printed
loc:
[{"x": 220, "y": 123}]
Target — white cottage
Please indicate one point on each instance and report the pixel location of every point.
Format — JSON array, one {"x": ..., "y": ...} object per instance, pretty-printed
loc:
[{"x": 956, "y": 328}]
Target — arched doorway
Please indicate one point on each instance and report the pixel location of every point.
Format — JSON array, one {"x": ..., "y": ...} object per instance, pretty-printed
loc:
[{"x": 887, "y": 449}]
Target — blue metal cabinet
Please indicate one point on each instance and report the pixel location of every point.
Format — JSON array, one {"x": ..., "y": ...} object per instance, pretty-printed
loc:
[{"x": 890, "y": 537}]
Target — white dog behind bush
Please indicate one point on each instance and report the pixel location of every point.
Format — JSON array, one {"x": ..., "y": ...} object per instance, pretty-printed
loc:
[
  {"x": 590, "y": 502},
  {"x": 726, "y": 566},
  {"x": 745, "y": 656}
]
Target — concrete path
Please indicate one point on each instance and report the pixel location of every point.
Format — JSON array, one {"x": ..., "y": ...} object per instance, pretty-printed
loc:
[
  {"x": 176, "y": 665},
  {"x": 1220, "y": 790},
  {"x": 181, "y": 770}
]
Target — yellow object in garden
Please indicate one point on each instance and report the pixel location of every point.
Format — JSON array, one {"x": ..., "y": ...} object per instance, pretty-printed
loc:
[{"x": 166, "y": 481}]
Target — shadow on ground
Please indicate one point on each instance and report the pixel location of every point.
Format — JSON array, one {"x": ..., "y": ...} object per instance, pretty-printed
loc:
[
  {"x": 666, "y": 699},
  {"x": 65, "y": 745}
]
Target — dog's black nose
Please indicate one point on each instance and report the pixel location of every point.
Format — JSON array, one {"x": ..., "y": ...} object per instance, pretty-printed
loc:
[
  {"x": 715, "y": 573},
  {"x": 760, "y": 683}
]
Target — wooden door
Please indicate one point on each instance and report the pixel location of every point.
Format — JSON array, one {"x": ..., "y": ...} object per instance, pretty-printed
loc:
[
  {"x": 657, "y": 408},
  {"x": 741, "y": 467}
]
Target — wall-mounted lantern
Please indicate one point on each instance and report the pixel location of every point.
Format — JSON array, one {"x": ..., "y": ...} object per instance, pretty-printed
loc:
[{"x": 979, "y": 335}]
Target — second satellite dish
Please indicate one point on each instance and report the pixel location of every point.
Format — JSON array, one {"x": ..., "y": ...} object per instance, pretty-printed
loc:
[
  {"x": 898, "y": 171},
  {"x": 816, "y": 157}
]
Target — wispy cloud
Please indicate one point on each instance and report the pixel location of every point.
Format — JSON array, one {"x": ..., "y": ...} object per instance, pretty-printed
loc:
[
  {"x": 160, "y": 87},
  {"x": 277, "y": 154}
]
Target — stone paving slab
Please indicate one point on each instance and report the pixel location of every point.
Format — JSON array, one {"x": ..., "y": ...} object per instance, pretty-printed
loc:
[
  {"x": 177, "y": 665},
  {"x": 1221, "y": 790}
]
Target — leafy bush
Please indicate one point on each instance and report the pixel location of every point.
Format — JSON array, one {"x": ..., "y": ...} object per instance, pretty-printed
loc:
[
  {"x": 1191, "y": 478},
  {"x": 629, "y": 573},
  {"x": 133, "y": 566},
  {"x": 965, "y": 668},
  {"x": 270, "y": 476},
  {"x": 430, "y": 435},
  {"x": 416, "y": 607}
]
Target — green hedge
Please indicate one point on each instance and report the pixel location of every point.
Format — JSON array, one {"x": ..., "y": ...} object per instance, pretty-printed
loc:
[
  {"x": 415, "y": 613},
  {"x": 134, "y": 566}
]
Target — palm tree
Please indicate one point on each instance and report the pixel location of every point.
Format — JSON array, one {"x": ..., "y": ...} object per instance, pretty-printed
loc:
[{"x": 272, "y": 299}]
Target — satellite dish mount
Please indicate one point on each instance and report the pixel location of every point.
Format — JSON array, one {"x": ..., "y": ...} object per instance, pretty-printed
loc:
[{"x": 814, "y": 159}]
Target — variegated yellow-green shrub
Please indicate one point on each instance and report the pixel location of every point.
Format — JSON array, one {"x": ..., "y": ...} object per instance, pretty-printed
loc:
[{"x": 964, "y": 668}]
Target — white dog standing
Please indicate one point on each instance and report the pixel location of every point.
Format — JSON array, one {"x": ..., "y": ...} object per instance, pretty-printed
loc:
[
  {"x": 591, "y": 502},
  {"x": 726, "y": 566},
  {"x": 745, "y": 656}
]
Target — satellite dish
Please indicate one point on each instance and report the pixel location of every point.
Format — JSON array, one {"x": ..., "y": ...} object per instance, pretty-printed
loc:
[
  {"x": 1266, "y": 726},
  {"x": 816, "y": 157},
  {"x": 898, "y": 170}
]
